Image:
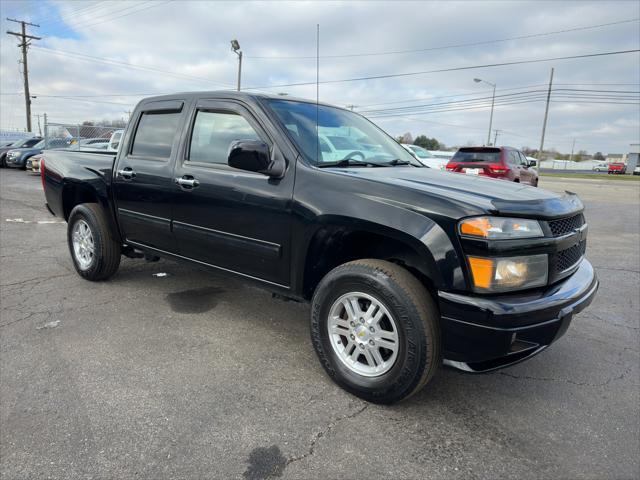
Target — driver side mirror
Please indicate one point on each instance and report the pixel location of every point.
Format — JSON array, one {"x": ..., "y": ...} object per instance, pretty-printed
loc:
[
  {"x": 254, "y": 156},
  {"x": 532, "y": 163}
]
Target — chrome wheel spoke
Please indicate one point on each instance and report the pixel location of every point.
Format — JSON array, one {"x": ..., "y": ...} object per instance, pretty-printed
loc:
[
  {"x": 387, "y": 335},
  {"x": 369, "y": 357},
  {"x": 339, "y": 323},
  {"x": 355, "y": 354},
  {"x": 387, "y": 344},
  {"x": 377, "y": 357}
]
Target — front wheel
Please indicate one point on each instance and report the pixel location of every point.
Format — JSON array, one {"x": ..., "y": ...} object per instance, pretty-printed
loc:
[
  {"x": 375, "y": 329},
  {"x": 95, "y": 253}
]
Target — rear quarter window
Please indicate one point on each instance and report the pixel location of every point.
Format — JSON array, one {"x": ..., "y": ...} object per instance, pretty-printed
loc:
[{"x": 154, "y": 135}]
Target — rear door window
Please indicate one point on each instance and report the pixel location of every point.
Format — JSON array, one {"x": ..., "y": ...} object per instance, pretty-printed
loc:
[{"x": 155, "y": 134}]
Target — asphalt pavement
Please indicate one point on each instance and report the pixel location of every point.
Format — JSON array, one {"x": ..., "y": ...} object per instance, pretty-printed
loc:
[{"x": 169, "y": 372}]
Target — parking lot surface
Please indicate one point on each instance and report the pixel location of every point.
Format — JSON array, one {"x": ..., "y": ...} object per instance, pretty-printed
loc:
[{"x": 168, "y": 372}]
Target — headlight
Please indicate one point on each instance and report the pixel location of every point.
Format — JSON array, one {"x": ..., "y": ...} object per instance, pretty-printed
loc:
[
  {"x": 490, "y": 275},
  {"x": 500, "y": 228}
]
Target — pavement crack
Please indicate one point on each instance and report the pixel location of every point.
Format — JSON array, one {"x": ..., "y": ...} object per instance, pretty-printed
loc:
[
  {"x": 564, "y": 380},
  {"x": 321, "y": 434},
  {"x": 37, "y": 279}
]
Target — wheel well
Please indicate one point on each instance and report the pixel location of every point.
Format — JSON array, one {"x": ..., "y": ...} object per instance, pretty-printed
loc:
[
  {"x": 75, "y": 195},
  {"x": 333, "y": 246}
]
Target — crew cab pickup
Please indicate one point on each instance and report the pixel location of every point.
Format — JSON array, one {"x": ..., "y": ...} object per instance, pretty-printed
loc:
[{"x": 406, "y": 267}]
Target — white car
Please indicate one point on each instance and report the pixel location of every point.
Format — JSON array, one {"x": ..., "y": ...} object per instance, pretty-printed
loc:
[
  {"x": 114, "y": 141},
  {"x": 425, "y": 157},
  {"x": 601, "y": 167}
]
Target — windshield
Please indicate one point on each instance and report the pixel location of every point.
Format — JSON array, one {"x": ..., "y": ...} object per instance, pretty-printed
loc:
[
  {"x": 20, "y": 143},
  {"x": 342, "y": 135},
  {"x": 420, "y": 152},
  {"x": 491, "y": 155}
]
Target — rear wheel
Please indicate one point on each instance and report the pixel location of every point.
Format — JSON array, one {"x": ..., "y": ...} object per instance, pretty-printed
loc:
[
  {"x": 375, "y": 330},
  {"x": 95, "y": 253}
]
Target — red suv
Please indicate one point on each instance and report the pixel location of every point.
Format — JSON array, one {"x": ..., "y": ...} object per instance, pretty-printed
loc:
[
  {"x": 505, "y": 163},
  {"x": 617, "y": 168}
]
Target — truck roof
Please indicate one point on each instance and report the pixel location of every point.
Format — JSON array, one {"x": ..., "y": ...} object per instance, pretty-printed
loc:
[{"x": 250, "y": 97}]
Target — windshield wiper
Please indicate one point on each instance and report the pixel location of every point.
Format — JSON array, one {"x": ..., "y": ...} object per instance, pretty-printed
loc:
[
  {"x": 396, "y": 161},
  {"x": 349, "y": 162}
]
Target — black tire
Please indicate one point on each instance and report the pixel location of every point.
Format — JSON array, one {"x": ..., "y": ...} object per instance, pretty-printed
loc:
[
  {"x": 3, "y": 162},
  {"x": 414, "y": 312},
  {"x": 107, "y": 251}
]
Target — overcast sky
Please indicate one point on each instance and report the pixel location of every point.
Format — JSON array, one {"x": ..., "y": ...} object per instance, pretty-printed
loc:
[{"x": 184, "y": 46}]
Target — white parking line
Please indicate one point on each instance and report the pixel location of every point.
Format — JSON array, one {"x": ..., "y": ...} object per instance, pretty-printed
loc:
[{"x": 39, "y": 222}]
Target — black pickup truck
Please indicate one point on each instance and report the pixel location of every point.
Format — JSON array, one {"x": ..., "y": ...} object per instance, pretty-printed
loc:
[{"x": 406, "y": 267}]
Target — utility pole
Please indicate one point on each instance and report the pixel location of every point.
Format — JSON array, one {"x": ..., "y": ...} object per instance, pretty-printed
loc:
[
  {"x": 493, "y": 101},
  {"x": 37, "y": 115},
  {"x": 235, "y": 46},
  {"x": 25, "y": 67},
  {"x": 495, "y": 137},
  {"x": 572, "y": 147},
  {"x": 351, "y": 107},
  {"x": 546, "y": 115}
]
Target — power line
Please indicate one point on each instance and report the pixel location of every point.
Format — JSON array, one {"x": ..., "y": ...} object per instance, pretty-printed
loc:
[
  {"x": 448, "y": 96},
  {"x": 489, "y": 91},
  {"x": 79, "y": 25},
  {"x": 506, "y": 102},
  {"x": 460, "y": 45},
  {"x": 82, "y": 99},
  {"x": 75, "y": 13},
  {"x": 518, "y": 95},
  {"x": 454, "y": 69},
  {"x": 107, "y": 61},
  {"x": 152, "y": 2}
]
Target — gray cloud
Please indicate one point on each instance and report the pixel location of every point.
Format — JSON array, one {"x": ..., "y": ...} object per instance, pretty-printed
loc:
[{"x": 191, "y": 39}]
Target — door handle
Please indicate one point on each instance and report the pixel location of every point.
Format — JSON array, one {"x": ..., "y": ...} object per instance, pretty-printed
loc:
[
  {"x": 127, "y": 173},
  {"x": 187, "y": 182}
]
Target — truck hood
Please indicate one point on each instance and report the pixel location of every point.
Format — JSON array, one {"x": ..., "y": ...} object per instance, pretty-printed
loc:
[{"x": 498, "y": 197}]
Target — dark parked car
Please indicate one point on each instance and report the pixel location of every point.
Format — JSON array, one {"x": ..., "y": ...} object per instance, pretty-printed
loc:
[
  {"x": 405, "y": 266},
  {"x": 18, "y": 157},
  {"x": 505, "y": 163},
  {"x": 23, "y": 143}
]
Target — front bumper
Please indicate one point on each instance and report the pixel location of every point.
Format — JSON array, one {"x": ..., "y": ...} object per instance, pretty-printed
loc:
[
  {"x": 15, "y": 162},
  {"x": 482, "y": 333}
]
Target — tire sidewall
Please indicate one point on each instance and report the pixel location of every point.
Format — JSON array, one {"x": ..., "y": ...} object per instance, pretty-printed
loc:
[
  {"x": 407, "y": 370},
  {"x": 83, "y": 213}
]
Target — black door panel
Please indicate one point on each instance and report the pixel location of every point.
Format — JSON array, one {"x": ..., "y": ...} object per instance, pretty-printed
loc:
[
  {"x": 233, "y": 219},
  {"x": 143, "y": 183}
]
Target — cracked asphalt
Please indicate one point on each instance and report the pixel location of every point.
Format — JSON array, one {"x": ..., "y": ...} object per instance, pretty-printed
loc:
[{"x": 191, "y": 375}]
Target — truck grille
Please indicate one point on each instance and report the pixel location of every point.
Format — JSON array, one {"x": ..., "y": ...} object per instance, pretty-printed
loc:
[
  {"x": 566, "y": 225},
  {"x": 567, "y": 258}
]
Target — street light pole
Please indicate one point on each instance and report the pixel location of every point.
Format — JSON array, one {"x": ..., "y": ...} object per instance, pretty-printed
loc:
[
  {"x": 493, "y": 101},
  {"x": 235, "y": 46}
]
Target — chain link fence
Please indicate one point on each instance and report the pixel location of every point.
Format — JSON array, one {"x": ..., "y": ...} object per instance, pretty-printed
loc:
[{"x": 81, "y": 137}]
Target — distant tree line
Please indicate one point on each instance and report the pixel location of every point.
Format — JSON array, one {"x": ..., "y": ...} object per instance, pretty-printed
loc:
[
  {"x": 421, "y": 141},
  {"x": 105, "y": 123}
]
